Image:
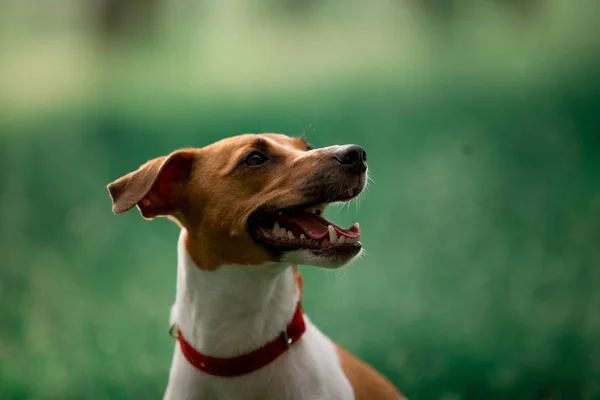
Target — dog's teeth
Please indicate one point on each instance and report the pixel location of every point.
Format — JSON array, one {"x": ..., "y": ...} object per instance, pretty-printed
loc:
[
  {"x": 356, "y": 225},
  {"x": 302, "y": 236},
  {"x": 342, "y": 239},
  {"x": 281, "y": 232},
  {"x": 333, "y": 237},
  {"x": 278, "y": 231},
  {"x": 290, "y": 235}
]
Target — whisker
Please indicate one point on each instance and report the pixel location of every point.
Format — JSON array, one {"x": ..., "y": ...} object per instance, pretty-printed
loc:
[{"x": 341, "y": 273}]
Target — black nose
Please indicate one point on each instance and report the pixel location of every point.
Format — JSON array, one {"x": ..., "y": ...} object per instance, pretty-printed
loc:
[{"x": 352, "y": 156}]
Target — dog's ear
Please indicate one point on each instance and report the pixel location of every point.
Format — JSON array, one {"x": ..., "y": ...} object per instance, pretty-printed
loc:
[{"x": 157, "y": 187}]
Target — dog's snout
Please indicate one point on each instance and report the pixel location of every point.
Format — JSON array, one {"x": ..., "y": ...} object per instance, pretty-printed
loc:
[{"x": 352, "y": 156}]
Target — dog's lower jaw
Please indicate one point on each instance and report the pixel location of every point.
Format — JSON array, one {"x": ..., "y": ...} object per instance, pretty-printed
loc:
[
  {"x": 233, "y": 310},
  {"x": 308, "y": 257}
]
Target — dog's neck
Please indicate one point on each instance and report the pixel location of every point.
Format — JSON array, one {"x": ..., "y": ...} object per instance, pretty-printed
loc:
[{"x": 234, "y": 309}]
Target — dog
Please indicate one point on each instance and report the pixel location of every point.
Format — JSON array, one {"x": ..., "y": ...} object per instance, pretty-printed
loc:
[{"x": 250, "y": 210}]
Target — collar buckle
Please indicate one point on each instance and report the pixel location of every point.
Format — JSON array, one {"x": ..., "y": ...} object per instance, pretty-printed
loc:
[{"x": 287, "y": 340}]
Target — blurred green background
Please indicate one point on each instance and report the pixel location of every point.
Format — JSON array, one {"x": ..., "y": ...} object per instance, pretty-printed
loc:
[{"x": 481, "y": 278}]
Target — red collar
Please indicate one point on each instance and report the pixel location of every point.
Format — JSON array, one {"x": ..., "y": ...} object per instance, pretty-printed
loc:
[{"x": 249, "y": 362}]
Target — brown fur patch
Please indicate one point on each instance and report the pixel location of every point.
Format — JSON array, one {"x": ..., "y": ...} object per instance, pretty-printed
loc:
[{"x": 367, "y": 383}]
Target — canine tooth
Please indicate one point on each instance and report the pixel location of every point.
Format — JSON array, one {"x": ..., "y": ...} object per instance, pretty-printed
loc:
[
  {"x": 290, "y": 235},
  {"x": 333, "y": 237},
  {"x": 281, "y": 232},
  {"x": 276, "y": 228},
  {"x": 342, "y": 239},
  {"x": 302, "y": 236},
  {"x": 356, "y": 225}
]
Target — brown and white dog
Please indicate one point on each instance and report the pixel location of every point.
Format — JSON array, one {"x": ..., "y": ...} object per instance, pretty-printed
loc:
[{"x": 249, "y": 208}]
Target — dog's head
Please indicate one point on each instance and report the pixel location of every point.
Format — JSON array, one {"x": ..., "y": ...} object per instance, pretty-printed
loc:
[{"x": 251, "y": 199}]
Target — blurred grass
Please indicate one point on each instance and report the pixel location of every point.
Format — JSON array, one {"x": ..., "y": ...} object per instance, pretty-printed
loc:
[
  {"x": 480, "y": 278},
  {"x": 52, "y": 58}
]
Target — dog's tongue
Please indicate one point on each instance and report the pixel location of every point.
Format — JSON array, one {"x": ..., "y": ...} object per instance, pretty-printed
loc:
[{"x": 315, "y": 227}]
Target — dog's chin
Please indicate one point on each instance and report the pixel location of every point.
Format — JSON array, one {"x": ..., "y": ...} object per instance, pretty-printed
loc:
[{"x": 322, "y": 258}]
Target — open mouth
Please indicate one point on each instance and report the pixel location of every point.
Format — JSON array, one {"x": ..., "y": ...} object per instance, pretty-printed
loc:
[{"x": 304, "y": 227}]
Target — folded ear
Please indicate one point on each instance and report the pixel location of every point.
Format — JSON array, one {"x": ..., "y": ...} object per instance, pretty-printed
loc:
[{"x": 157, "y": 187}]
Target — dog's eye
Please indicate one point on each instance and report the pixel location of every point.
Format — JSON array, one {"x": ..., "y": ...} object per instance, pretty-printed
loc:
[{"x": 255, "y": 158}]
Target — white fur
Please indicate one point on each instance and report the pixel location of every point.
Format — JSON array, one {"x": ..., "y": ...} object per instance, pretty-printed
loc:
[
  {"x": 236, "y": 309},
  {"x": 308, "y": 257}
]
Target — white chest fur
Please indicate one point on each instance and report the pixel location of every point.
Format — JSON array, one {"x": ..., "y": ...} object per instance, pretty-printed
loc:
[{"x": 236, "y": 309}]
